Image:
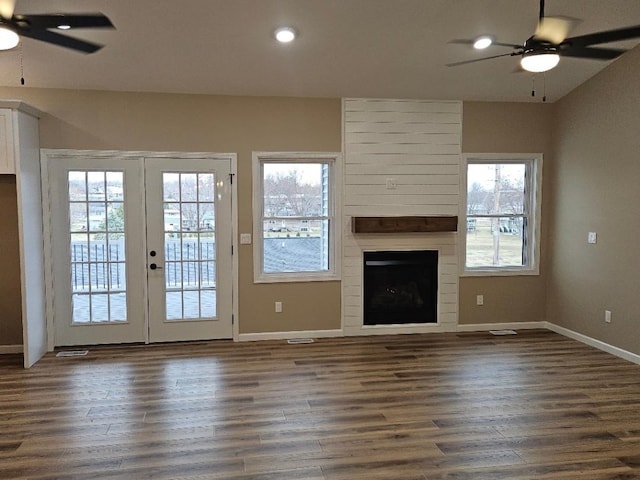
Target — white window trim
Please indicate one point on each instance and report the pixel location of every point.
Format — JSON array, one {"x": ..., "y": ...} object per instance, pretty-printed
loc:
[
  {"x": 335, "y": 181},
  {"x": 535, "y": 200}
]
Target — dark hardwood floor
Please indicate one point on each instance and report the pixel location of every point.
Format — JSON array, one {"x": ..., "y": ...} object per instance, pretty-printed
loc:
[{"x": 462, "y": 406}]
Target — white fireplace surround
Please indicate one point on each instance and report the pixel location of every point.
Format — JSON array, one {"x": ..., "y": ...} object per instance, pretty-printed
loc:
[{"x": 402, "y": 158}]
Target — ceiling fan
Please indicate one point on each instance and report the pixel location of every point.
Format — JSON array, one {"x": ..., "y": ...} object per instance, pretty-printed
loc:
[
  {"x": 542, "y": 51},
  {"x": 41, "y": 27}
]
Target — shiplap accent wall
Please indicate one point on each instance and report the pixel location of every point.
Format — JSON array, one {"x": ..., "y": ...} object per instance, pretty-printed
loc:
[{"x": 416, "y": 146}]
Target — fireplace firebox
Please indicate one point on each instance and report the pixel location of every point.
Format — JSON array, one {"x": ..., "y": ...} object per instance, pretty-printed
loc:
[{"x": 400, "y": 287}]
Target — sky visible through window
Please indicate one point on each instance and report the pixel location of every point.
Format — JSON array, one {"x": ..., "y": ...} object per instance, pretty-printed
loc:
[{"x": 309, "y": 173}]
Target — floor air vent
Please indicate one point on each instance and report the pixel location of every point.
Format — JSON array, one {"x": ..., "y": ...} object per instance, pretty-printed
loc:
[
  {"x": 503, "y": 332},
  {"x": 298, "y": 341},
  {"x": 72, "y": 353}
]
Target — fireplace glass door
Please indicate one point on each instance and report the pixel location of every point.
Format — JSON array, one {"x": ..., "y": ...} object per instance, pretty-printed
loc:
[{"x": 400, "y": 287}]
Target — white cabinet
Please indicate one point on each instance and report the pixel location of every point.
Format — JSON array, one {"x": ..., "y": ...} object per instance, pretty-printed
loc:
[
  {"x": 20, "y": 155},
  {"x": 7, "y": 163}
]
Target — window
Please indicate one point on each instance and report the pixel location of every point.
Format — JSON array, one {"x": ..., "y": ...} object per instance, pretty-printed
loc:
[
  {"x": 502, "y": 212},
  {"x": 295, "y": 216}
]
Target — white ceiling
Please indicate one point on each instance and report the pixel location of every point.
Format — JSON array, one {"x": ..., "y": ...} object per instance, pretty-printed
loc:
[{"x": 346, "y": 48}]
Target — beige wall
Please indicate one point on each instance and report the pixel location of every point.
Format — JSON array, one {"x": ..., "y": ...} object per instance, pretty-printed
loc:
[
  {"x": 591, "y": 175},
  {"x": 130, "y": 121},
  {"x": 508, "y": 128},
  {"x": 168, "y": 122},
  {"x": 596, "y": 187},
  {"x": 10, "y": 300}
]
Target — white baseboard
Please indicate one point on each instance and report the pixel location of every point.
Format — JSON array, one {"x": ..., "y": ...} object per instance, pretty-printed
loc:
[
  {"x": 618, "y": 352},
  {"x": 485, "y": 327},
  {"x": 5, "y": 349},
  {"x": 252, "y": 337}
]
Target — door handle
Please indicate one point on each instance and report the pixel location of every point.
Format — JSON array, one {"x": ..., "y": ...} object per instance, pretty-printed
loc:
[{"x": 153, "y": 266}]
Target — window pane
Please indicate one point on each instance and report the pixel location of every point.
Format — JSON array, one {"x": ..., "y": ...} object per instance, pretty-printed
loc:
[
  {"x": 97, "y": 234},
  {"x": 78, "y": 186},
  {"x": 206, "y": 188},
  {"x": 115, "y": 185},
  {"x": 302, "y": 250},
  {"x": 115, "y": 217},
  {"x": 189, "y": 216},
  {"x": 496, "y": 189},
  {"x": 207, "y": 219},
  {"x": 97, "y": 217},
  {"x": 174, "y": 305},
  {"x": 188, "y": 187},
  {"x": 294, "y": 190},
  {"x": 171, "y": 217},
  {"x": 96, "y": 186},
  {"x": 297, "y": 214},
  {"x": 495, "y": 242},
  {"x": 190, "y": 250},
  {"x": 78, "y": 217},
  {"x": 171, "y": 187}
]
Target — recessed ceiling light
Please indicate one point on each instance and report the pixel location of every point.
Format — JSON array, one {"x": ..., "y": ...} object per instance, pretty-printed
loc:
[
  {"x": 482, "y": 42},
  {"x": 64, "y": 27},
  {"x": 285, "y": 34}
]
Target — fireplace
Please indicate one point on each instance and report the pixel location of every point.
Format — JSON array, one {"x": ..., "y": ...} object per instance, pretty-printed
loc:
[{"x": 400, "y": 287}]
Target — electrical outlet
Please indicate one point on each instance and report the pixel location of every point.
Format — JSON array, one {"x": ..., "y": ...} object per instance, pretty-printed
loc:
[
  {"x": 479, "y": 299},
  {"x": 392, "y": 184},
  {"x": 592, "y": 237},
  {"x": 278, "y": 307},
  {"x": 607, "y": 316}
]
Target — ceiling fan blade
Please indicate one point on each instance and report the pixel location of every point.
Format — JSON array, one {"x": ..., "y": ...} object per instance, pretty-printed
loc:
[
  {"x": 590, "y": 52},
  {"x": 464, "y": 62},
  {"x": 60, "y": 40},
  {"x": 604, "y": 37},
  {"x": 91, "y": 20},
  {"x": 6, "y": 8},
  {"x": 554, "y": 29},
  {"x": 462, "y": 41}
]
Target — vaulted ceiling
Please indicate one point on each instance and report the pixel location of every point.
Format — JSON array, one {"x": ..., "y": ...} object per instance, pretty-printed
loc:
[{"x": 345, "y": 48}]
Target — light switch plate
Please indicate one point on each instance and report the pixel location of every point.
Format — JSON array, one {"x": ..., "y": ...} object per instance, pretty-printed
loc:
[
  {"x": 245, "y": 239},
  {"x": 592, "y": 237}
]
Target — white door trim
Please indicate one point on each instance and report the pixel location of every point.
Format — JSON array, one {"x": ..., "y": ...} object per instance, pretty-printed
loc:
[{"x": 50, "y": 155}]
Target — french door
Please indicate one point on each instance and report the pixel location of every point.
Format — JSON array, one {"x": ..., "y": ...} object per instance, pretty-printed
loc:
[{"x": 141, "y": 248}]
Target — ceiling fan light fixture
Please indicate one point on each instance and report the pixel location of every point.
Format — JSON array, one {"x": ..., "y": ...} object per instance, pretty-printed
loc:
[
  {"x": 482, "y": 42},
  {"x": 538, "y": 62},
  {"x": 8, "y": 38},
  {"x": 285, "y": 34}
]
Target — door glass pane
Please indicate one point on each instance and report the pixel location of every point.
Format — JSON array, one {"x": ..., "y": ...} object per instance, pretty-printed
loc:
[
  {"x": 97, "y": 216},
  {"x": 189, "y": 231},
  {"x": 97, "y": 233},
  {"x": 78, "y": 216}
]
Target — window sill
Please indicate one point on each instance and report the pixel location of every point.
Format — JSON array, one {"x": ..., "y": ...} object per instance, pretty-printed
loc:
[
  {"x": 500, "y": 272},
  {"x": 296, "y": 278}
]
